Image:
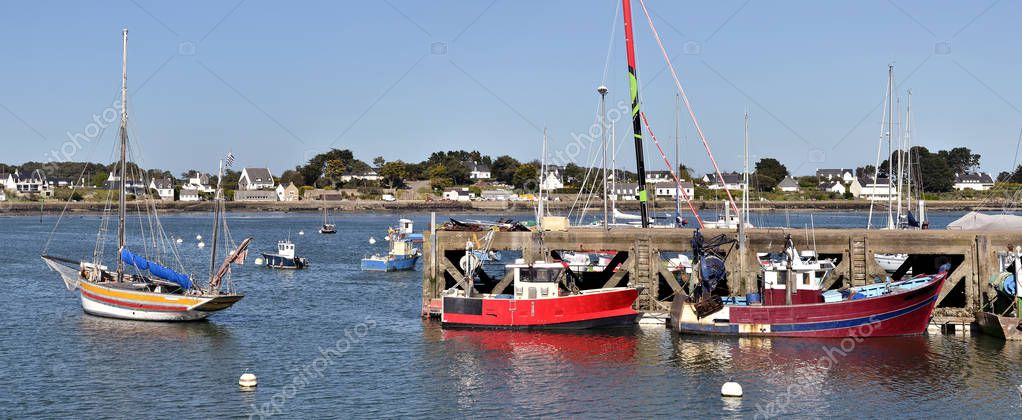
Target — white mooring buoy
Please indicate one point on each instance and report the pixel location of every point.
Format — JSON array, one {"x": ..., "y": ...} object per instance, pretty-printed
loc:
[
  {"x": 179, "y": 240},
  {"x": 247, "y": 381},
  {"x": 301, "y": 232},
  {"x": 731, "y": 389},
  {"x": 259, "y": 261},
  {"x": 202, "y": 244},
  {"x": 372, "y": 240},
  {"x": 198, "y": 237}
]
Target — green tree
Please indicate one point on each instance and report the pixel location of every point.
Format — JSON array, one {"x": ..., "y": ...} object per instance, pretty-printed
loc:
[
  {"x": 525, "y": 175},
  {"x": 99, "y": 178},
  {"x": 960, "y": 159},
  {"x": 769, "y": 172},
  {"x": 379, "y": 161},
  {"x": 394, "y": 173},
  {"x": 503, "y": 169},
  {"x": 292, "y": 176}
]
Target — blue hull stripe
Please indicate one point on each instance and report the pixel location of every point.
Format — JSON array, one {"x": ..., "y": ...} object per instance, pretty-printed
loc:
[{"x": 850, "y": 323}]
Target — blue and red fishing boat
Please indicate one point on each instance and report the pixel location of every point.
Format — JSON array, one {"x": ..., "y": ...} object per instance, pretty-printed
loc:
[{"x": 793, "y": 302}]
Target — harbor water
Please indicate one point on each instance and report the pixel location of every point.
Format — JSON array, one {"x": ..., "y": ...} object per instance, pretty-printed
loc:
[{"x": 331, "y": 341}]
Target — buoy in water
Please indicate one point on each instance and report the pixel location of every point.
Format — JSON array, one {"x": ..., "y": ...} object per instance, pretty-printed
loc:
[
  {"x": 301, "y": 232},
  {"x": 179, "y": 240},
  {"x": 198, "y": 237},
  {"x": 372, "y": 240},
  {"x": 247, "y": 381},
  {"x": 202, "y": 244},
  {"x": 259, "y": 261},
  {"x": 731, "y": 389}
]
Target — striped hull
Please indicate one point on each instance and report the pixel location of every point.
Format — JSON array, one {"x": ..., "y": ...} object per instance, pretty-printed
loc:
[
  {"x": 895, "y": 314},
  {"x": 113, "y": 302}
]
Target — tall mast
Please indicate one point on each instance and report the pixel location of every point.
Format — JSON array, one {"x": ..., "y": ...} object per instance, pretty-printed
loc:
[
  {"x": 890, "y": 129},
  {"x": 677, "y": 157},
  {"x": 121, "y": 207},
  {"x": 613, "y": 167},
  {"x": 745, "y": 203},
  {"x": 901, "y": 161},
  {"x": 602, "y": 90},
  {"x": 542, "y": 180},
  {"x": 216, "y": 223},
  {"x": 633, "y": 83},
  {"x": 908, "y": 154}
]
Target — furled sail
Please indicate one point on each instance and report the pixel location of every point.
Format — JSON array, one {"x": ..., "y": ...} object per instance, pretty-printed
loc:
[{"x": 157, "y": 270}]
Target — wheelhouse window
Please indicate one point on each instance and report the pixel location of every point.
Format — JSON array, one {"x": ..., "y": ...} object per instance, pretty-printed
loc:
[{"x": 540, "y": 275}]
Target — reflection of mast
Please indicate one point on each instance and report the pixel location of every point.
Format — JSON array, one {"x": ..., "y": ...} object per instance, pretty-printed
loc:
[
  {"x": 121, "y": 207},
  {"x": 640, "y": 166}
]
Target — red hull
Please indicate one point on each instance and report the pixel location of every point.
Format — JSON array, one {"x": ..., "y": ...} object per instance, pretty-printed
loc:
[
  {"x": 592, "y": 310},
  {"x": 903, "y": 313}
]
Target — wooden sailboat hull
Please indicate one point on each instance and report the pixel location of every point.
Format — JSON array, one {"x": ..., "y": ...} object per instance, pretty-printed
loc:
[{"x": 111, "y": 302}]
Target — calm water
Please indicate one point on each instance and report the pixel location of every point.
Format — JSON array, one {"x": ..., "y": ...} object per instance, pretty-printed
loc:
[{"x": 331, "y": 341}]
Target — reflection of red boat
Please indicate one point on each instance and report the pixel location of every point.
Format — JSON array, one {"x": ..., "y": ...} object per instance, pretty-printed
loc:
[
  {"x": 542, "y": 298},
  {"x": 576, "y": 347}
]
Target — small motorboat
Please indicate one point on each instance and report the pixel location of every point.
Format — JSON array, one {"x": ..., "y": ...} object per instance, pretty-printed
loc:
[
  {"x": 403, "y": 253},
  {"x": 543, "y": 297},
  {"x": 285, "y": 257}
]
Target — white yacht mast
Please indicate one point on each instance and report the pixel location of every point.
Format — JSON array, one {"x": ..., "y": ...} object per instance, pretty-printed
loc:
[
  {"x": 121, "y": 207},
  {"x": 602, "y": 90},
  {"x": 890, "y": 150}
]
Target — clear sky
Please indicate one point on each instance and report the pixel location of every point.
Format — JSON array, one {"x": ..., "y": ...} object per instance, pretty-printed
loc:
[{"x": 277, "y": 82}]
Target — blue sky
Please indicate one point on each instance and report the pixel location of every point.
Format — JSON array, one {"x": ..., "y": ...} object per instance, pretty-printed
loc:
[{"x": 278, "y": 82}]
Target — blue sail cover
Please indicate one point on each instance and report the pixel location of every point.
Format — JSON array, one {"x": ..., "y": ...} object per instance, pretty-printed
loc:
[{"x": 157, "y": 270}]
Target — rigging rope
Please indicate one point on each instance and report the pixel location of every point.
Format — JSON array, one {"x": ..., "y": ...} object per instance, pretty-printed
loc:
[
  {"x": 688, "y": 105},
  {"x": 677, "y": 180}
]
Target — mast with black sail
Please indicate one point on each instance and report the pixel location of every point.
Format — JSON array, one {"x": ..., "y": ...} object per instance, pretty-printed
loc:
[{"x": 640, "y": 166}]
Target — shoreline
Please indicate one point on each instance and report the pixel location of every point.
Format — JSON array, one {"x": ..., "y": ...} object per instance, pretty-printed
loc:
[{"x": 52, "y": 207}]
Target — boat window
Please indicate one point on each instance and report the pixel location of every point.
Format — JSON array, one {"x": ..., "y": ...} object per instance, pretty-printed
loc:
[
  {"x": 540, "y": 275},
  {"x": 805, "y": 279}
]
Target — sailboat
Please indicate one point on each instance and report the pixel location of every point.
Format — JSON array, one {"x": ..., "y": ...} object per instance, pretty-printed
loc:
[
  {"x": 327, "y": 227},
  {"x": 142, "y": 287}
]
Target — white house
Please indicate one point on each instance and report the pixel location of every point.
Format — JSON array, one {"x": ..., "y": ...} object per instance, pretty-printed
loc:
[
  {"x": 164, "y": 188},
  {"x": 832, "y": 186},
  {"x": 626, "y": 191},
  {"x": 841, "y": 175},
  {"x": 29, "y": 183},
  {"x": 974, "y": 181},
  {"x": 3, "y": 194},
  {"x": 253, "y": 179},
  {"x": 553, "y": 179},
  {"x": 496, "y": 195},
  {"x": 866, "y": 188},
  {"x": 788, "y": 184},
  {"x": 664, "y": 190},
  {"x": 197, "y": 181},
  {"x": 288, "y": 193},
  {"x": 370, "y": 175},
  {"x": 732, "y": 181},
  {"x": 189, "y": 194},
  {"x": 459, "y": 195},
  {"x": 478, "y": 171},
  {"x": 656, "y": 177}
]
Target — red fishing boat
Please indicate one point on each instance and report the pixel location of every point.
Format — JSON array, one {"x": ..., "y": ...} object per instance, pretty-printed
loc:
[
  {"x": 543, "y": 297},
  {"x": 793, "y": 303}
]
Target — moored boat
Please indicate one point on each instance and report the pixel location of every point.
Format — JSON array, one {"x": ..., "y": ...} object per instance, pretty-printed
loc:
[
  {"x": 328, "y": 227},
  {"x": 285, "y": 257},
  {"x": 793, "y": 304},
  {"x": 542, "y": 297},
  {"x": 142, "y": 286},
  {"x": 403, "y": 253}
]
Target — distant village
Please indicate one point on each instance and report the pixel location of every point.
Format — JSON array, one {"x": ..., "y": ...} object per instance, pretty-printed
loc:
[{"x": 466, "y": 176}]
